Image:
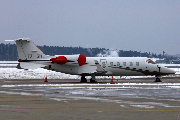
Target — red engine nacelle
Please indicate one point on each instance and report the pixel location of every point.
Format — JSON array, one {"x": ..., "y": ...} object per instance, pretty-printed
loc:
[
  {"x": 59, "y": 60},
  {"x": 63, "y": 59}
]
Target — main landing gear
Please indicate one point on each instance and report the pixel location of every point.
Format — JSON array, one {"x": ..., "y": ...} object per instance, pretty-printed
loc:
[
  {"x": 83, "y": 79},
  {"x": 157, "y": 79},
  {"x": 92, "y": 80}
]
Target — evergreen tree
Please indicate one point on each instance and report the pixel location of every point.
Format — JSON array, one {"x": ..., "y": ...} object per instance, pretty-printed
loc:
[{"x": 8, "y": 52}]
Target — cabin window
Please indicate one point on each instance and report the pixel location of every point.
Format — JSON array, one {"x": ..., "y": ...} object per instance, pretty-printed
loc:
[
  {"x": 131, "y": 64},
  {"x": 124, "y": 63},
  {"x": 137, "y": 63},
  {"x": 103, "y": 64},
  {"x": 118, "y": 63},
  {"x": 111, "y": 63}
]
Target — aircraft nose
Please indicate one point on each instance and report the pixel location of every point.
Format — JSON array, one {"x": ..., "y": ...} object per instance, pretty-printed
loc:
[{"x": 169, "y": 71}]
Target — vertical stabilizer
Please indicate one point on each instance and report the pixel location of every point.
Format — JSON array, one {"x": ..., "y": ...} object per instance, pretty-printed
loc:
[{"x": 27, "y": 50}]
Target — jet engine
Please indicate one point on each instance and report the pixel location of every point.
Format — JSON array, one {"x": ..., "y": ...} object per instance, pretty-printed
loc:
[
  {"x": 70, "y": 59},
  {"x": 60, "y": 60}
]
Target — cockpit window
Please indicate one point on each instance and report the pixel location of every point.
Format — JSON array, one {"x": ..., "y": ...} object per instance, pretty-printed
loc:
[{"x": 150, "y": 61}]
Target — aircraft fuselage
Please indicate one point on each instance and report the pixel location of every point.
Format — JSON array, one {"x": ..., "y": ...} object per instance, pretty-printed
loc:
[{"x": 117, "y": 66}]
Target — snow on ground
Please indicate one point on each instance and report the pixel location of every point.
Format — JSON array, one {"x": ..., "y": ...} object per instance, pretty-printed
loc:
[
  {"x": 14, "y": 73},
  {"x": 40, "y": 73},
  {"x": 8, "y": 71}
]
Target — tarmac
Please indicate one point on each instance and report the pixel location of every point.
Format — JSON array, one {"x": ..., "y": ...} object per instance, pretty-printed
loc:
[{"x": 127, "y": 99}]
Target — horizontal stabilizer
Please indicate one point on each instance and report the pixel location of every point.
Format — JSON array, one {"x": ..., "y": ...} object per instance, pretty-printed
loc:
[{"x": 29, "y": 65}]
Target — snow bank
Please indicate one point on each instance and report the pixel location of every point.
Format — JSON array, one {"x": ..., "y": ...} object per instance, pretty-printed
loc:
[{"x": 14, "y": 73}]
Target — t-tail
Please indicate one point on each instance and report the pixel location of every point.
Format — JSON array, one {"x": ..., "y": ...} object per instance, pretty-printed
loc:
[
  {"x": 27, "y": 50},
  {"x": 30, "y": 56}
]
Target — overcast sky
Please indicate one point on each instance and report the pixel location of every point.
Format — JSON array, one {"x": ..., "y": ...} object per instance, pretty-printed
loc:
[{"x": 140, "y": 25}]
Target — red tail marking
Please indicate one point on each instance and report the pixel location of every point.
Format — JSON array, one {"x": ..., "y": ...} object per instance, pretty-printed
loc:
[{"x": 20, "y": 60}]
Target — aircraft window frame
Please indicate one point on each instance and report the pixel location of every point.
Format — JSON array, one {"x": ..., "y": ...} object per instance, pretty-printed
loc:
[
  {"x": 137, "y": 63},
  {"x": 118, "y": 63},
  {"x": 131, "y": 63},
  {"x": 103, "y": 64},
  {"x": 111, "y": 63},
  {"x": 124, "y": 63}
]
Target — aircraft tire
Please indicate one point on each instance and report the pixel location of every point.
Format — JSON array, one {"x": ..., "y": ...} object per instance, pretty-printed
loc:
[
  {"x": 157, "y": 80},
  {"x": 93, "y": 81},
  {"x": 83, "y": 79}
]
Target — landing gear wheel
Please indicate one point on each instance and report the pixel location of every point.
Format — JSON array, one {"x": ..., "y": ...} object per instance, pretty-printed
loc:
[
  {"x": 83, "y": 79},
  {"x": 157, "y": 80},
  {"x": 93, "y": 81}
]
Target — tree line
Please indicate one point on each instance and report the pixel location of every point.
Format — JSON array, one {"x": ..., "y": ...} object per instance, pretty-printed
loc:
[{"x": 8, "y": 52}]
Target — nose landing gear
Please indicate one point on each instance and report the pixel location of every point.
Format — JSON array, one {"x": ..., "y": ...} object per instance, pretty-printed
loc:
[
  {"x": 157, "y": 79},
  {"x": 93, "y": 79}
]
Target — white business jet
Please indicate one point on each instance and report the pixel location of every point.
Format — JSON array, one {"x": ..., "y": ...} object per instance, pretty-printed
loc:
[{"x": 31, "y": 57}]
